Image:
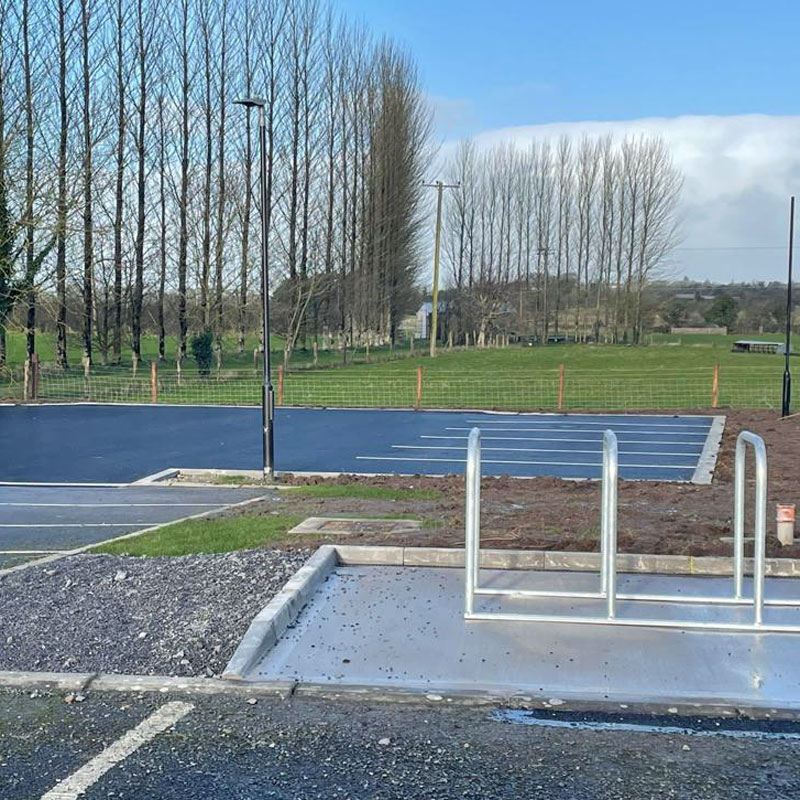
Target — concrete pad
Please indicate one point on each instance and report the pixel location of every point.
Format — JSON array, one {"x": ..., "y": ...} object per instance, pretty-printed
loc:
[
  {"x": 403, "y": 628},
  {"x": 347, "y": 526}
]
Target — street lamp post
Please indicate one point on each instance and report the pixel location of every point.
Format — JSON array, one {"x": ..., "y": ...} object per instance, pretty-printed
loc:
[{"x": 267, "y": 393}]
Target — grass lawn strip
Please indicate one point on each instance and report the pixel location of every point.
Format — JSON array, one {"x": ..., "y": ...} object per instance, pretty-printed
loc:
[{"x": 211, "y": 535}]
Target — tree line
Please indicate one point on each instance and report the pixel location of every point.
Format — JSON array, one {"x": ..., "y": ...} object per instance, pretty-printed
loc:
[
  {"x": 129, "y": 182},
  {"x": 559, "y": 239}
]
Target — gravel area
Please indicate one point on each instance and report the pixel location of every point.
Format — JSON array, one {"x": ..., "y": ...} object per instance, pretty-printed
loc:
[{"x": 146, "y": 616}]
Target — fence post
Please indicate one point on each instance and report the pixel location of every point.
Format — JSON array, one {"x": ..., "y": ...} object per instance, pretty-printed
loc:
[
  {"x": 418, "y": 400},
  {"x": 26, "y": 380},
  {"x": 561, "y": 371},
  {"x": 35, "y": 373},
  {"x": 316, "y": 353},
  {"x": 715, "y": 388},
  {"x": 153, "y": 381},
  {"x": 87, "y": 387},
  {"x": 280, "y": 384}
]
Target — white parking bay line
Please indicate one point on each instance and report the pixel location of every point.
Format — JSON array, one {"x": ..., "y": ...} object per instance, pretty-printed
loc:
[
  {"x": 552, "y": 439},
  {"x": 536, "y": 463},
  {"x": 159, "y": 721},
  {"x": 533, "y": 428},
  {"x": 112, "y": 505},
  {"x": 570, "y": 423},
  {"x": 596, "y": 451},
  {"x": 81, "y": 524}
]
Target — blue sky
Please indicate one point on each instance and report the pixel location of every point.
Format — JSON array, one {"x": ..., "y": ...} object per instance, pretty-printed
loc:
[
  {"x": 511, "y": 63},
  {"x": 695, "y": 73}
]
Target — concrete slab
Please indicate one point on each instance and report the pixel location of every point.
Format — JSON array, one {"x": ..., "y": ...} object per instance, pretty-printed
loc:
[
  {"x": 347, "y": 526},
  {"x": 402, "y": 627}
]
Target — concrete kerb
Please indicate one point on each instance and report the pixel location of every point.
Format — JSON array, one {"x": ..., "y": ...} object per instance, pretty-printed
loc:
[
  {"x": 86, "y": 683},
  {"x": 280, "y": 612},
  {"x": 704, "y": 471},
  {"x": 377, "y": 555}
]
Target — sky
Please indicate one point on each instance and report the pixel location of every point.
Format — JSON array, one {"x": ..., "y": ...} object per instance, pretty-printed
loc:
[{"x": 717, "y": 78}]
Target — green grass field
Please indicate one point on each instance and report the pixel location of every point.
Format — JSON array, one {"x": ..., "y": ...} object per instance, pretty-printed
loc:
[
  {"x": 670, "y": 373},
  {"x": 232, "y": 358}
]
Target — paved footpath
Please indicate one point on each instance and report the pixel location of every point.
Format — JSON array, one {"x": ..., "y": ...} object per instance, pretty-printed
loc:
[{"x": 225, "y": 747}]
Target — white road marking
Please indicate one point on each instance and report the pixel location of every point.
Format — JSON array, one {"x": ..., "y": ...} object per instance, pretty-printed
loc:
[
  {"x": 570, "y": 423},
  {"x": 588, "y": 430},
  {"x": 552, "y": 439},
  {"x": 66, "y": 484},
  {"x": 159, "y": 721},
  {"x": 81, "y": 524},
  {"x": 540, "y": 463},
  {"x": 596, "y": 451},
  {"x": 112, "y": 505}
]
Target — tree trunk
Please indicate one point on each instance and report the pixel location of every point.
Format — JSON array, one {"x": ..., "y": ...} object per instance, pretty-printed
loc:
[
  {"x": 61, "y": 203},
  {"x": 138, "y": 287},
  {"x": 120, "y": 175}
]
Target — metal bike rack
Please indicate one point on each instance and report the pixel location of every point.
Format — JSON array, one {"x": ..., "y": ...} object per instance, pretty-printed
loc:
[{"x": 608, "y": 553}]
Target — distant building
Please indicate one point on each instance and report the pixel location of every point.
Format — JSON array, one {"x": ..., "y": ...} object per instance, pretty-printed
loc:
[
  {"x": 424, "y": 317},
  {"x": 756, "y": 346},
  {"x": 708, "y": 330}
]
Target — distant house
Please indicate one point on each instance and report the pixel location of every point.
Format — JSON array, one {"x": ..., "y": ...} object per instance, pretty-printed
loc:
[
  {"x": 708, "y": 330},
  {"x": 424, "y": 317}
]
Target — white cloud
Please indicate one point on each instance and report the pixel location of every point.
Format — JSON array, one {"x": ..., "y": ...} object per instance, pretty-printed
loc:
[
  {"x": 739, "y": 172},
  {"x": 450, "y": 115}
]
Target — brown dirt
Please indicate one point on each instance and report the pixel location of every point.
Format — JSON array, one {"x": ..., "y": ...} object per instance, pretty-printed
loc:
[{"x": 553, "y": 514}]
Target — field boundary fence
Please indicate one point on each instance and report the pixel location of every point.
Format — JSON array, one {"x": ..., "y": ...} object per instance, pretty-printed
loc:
[{"x": 559, "y": 389}]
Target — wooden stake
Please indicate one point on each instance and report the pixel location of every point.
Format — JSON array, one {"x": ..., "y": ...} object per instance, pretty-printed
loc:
[
  {"x": 561, "y": 371},
  {"x": 280, "y": 384},
  {"x": 715, "y": 388},
  {"x": 418, "y": 401},
  {"x": 153, "y": 381},
  {"x": 35, "y": 375}
]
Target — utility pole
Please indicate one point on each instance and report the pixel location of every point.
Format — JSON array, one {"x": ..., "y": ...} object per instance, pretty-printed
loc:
[
  {"x": 787, "y": 375},
  {"x": 440, "y": 187}
]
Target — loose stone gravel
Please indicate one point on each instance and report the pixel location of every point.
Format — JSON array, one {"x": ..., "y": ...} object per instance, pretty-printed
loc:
[{"x": 145, "y": 616}]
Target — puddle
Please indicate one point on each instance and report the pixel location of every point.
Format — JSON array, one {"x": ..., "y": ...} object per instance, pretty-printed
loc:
[{"x": 519, "y": 717}]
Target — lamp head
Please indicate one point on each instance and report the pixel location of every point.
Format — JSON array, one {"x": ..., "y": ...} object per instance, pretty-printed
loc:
[{"x": 250, "y": 102}]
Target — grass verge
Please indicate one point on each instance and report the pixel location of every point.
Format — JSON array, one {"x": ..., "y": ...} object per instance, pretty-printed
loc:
[{"x": 212, "y": 535}]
